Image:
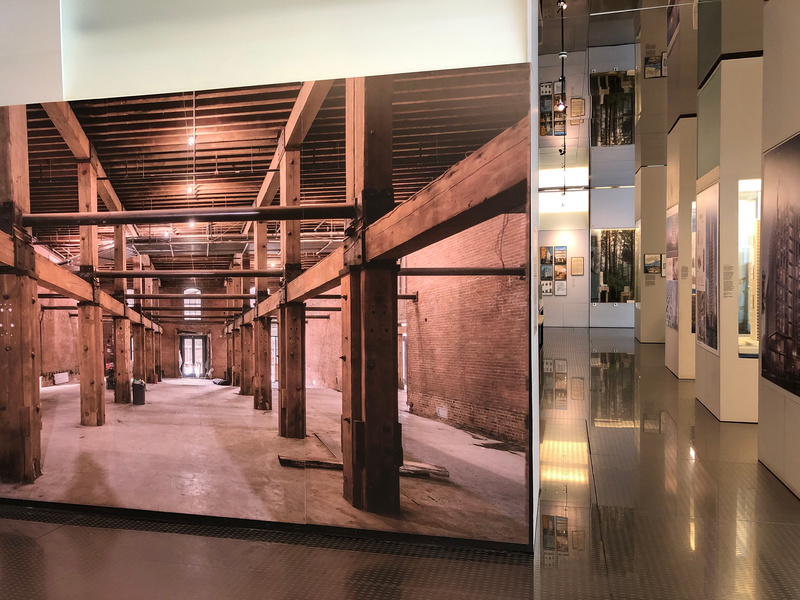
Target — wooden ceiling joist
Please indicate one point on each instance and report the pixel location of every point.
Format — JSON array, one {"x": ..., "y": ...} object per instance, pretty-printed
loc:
[
  {"x": 69, "y": 127},
  {"x": 305, "y": 109}
]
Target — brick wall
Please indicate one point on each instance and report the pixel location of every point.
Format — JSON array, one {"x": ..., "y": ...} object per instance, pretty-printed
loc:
[
  {"x": 324, "y": 346},
  {"x": 59, "y": 334},
  {"x": 468, "y": 336}
]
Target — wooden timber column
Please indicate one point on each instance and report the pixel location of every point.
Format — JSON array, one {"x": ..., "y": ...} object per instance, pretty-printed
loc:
[
  {"x": 229, "y": 355},
  {"x": 122, "y": 361},
  {"x": 157, "y": 344},
  {"x": 150, "y": 356},
  {"x": 90, "y": 323},
  {"x": 156, "y": 289},
  {"x": 20, "y": 360},
  {"x": 122, "y": 326},
  {"x": 149, "y": 339},
  {"x": 248, "y": 365},
  {"x": 237, "y": 356},
  {"x": 137, "y": 330},
  {"x": 291, "y": 315},
  {"x": 262, "y": 341},
  {"x": 371, "y": 435},
  {"x": 236, "y": 287},
  {"x": 246, "y": 340}
]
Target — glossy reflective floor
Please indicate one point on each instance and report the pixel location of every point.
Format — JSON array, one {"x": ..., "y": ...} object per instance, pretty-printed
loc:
[{"x": 644, "y": 493}]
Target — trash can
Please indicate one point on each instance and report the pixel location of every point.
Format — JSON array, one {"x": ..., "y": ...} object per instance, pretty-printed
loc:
[{"x": 138, "y": 392}]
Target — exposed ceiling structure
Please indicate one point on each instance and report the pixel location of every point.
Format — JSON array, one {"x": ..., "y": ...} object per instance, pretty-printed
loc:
[
  {"x": 587, "y": 23},
  {"x": 144, "y": 146}
]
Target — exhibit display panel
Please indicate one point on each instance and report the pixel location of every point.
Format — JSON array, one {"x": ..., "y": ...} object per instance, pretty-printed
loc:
[
  {"x": 749, "y": 264},
  {"x": 707, "y": 266},
  {"x": 780, "y": 267},
  {"x": 672, "y": 268},
  {"x": 198, "y": 448},
  {"x": 612, "y": 265}
]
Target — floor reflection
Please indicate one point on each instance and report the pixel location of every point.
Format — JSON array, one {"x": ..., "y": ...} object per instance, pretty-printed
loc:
[{"x": 644, "y": 493}]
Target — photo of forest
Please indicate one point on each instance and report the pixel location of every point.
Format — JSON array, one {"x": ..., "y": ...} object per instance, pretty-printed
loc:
[
  {"x": 613, "y": 97},
  {"x": 612, "y": 265}
]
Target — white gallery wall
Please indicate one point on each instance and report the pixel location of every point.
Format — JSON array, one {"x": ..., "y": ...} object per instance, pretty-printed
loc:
[
  {"x": 77, "y": 49},
  {"x": 571, "y": 310},
  {"x": 30, "y": 51},
  {"x": 778, "y": 409}
]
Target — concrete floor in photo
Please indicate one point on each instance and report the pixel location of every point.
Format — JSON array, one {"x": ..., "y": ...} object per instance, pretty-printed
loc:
[{"x": 199, "y": 448}]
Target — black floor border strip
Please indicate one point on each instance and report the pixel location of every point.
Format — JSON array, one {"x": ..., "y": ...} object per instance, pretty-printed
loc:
[{"x": 318, "y": 536}]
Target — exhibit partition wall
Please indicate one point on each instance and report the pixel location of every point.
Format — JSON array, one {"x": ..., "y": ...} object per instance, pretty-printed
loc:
[
  {"x": 335, "y": 442},
  {"x": 779, "y": 383}
]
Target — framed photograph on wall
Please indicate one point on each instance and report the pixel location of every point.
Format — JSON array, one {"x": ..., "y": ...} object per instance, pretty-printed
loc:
[
  {"x": 546, "y": 269},
  {"x": 652, "y": 264},
  {"x": 576, "y": 268},
  {"x": 560, "y": 287},
  {"x": 663, "y": 265}
]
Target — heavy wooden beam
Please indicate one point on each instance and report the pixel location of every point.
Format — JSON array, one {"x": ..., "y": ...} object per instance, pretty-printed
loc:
[
  {"x": 122, "y": 361},
  {"x": 262, "y": 339},
  {"x": 489, "y": 182},
  {"x": 229, "y": 355},
  {"x": 456, "y": 201},
  {"x": 236, "y": 373},
  {"x": 120, "y": 260},
  {"x": 67, "y": 124},
  {"x": 309, "y": 100},
  {"x": 236, "y": 288},
  {"x": 20, "y": 364},
  {"x": 291, "y": 324},
  {"x": 248, "y": 361},
  {"x": 14, "y": 174},
  {"x": 139, "y": 360},
  {"x": 68, "y": 284},
  {"x": 90, "y": 315},
  {"x": 90, "y": 355},
  {"x": 20, "y": 348},
  {"x": 292, "y": 371},
  {"x": 149, "y": 357},
  {"x": 371, "y": 439},
  {"x": 157, "y": 339}
]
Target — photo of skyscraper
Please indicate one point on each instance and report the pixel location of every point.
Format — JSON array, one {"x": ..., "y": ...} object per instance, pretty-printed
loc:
[{"x": 780, "y": 266}]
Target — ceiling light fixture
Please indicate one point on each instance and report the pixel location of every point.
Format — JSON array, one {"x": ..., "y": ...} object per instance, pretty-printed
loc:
[
  {"x": 191, "y": 140},
  {"x": 189, "y": 189},
  {"x": 191, "y": 223}
]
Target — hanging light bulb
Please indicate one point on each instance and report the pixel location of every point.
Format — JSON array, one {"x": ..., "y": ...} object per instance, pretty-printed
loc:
[
  {"x": 191, "y": 223},
  {"x": 189, "y": 189},
  {"x": 561, "y": 107},
  {"x": 191, "y": 140}
]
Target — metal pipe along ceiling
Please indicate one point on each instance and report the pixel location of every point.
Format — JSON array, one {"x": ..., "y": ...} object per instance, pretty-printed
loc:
[{"x": 189, "y": 215}]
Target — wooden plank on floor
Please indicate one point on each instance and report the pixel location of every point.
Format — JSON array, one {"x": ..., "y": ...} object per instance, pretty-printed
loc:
[
  {"x": 334, "y": 448},
  {"x": 409, "y": 468}
]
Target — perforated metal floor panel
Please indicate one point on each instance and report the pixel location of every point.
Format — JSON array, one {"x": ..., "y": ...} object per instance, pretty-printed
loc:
[{"x": 58, "y": 554}]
